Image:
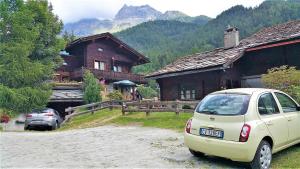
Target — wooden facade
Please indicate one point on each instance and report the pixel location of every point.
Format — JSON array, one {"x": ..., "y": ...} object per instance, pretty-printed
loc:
[
  {"x": 252, "y": 64},
  {"x": 195, "y": 76},
  {"x": 105, "y": 56}
]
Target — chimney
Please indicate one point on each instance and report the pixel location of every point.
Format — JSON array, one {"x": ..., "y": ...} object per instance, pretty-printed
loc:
[{"x": 231, "y": 37}]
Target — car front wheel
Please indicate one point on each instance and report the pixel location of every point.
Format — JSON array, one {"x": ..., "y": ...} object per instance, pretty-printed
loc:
[{"x": 263, "y": 156}]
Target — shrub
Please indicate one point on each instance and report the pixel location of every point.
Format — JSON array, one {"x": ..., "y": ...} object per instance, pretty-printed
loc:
[
  {"x": 91, "y": 88},
  {"x": 284, "y": 78},
  {"x": 186, "y": 107},
  {"x": 147, "y": 92},
  {"x": 115, "y": 95}
]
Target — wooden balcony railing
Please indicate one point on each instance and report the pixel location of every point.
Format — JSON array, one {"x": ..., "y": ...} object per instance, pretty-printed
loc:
[{"x": 110, "y": 75}]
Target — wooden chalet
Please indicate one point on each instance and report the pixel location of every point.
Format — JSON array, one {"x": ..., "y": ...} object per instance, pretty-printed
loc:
[
  {"x": 237, "y": 64},
  {"x": 107, "y": 57}
]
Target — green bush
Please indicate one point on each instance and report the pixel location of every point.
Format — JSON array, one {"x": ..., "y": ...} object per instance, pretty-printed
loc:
[
  {"x": 91, "y": 88},
  {"x": 115, "y": 95},
  {"x": 186, "y": 107},
  {"x": 147, "y": 92},
  {"x": 284, "y": 78}
]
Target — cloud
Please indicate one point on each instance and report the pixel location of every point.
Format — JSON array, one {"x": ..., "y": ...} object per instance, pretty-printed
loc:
[{"x": 73, "y": 10}]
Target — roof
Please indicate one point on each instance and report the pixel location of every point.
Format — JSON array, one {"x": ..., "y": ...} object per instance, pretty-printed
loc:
[
  {"x": 58, "y": 95},
  {"x": 221, "y": 58},
  {"x": 113, "y": 38}
]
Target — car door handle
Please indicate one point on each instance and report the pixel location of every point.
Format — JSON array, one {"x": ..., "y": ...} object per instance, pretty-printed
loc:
[
  {"x": 269, "y": 123},
  {"x": 290, "y": 119}
]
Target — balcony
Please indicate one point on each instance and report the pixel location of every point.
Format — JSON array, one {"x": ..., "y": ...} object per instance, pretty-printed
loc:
[{"x": 107, "y": 75}]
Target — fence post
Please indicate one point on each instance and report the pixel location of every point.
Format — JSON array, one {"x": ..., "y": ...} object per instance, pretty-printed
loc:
[
  {"x": 123, "y": 109},
  {"x": 177, "y": 107},
  {"x": 93, "y": 108},
  {"x": 148, "y": 109},
  {"x": 110, "y": 105}
]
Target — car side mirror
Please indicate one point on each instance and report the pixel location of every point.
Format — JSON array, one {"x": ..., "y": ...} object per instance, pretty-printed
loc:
[{"x": 298, "y": 108}]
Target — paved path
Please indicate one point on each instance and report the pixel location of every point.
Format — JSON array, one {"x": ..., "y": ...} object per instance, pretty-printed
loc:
[{"x": 101, "y": 147}]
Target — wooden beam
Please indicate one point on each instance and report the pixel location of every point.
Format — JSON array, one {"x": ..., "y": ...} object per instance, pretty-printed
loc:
[
  {"x": 273, "y": 45},
  {"x": 180, "y": 73}
]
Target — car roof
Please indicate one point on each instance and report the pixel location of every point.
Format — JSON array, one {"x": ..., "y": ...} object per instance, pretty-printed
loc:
[{"x": 246, "y": 90}]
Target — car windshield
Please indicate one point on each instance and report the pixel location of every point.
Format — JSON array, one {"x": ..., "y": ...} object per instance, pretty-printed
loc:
[{"x": 224, "y": 104}]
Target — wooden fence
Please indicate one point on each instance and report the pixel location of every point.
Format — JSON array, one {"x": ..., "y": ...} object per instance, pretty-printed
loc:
[
  {"x": 90, "y": 108},
  {"x": 159, "y": 106},
  {"x": 142, "y": 106}
]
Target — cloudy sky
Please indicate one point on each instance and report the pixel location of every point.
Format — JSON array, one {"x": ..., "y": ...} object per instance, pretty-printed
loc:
[{"x": 74, "y": 10}]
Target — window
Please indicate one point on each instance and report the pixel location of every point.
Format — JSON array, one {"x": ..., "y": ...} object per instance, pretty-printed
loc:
[
  {"x": 99, "y": 65},
  {"x": 117, "y": 69},
  {"x": 224, "y": 104},
  {"x": 267, "y": 104},
  {"x": 287, "y": 104},
  {"x": 187, "y": 94}
]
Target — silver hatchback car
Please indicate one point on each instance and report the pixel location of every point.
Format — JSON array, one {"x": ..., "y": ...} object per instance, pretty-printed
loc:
[{"x": 47, "y": 117}]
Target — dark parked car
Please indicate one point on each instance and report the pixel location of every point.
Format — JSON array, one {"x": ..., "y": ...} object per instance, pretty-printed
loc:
[{"x": 47, "y": 117}]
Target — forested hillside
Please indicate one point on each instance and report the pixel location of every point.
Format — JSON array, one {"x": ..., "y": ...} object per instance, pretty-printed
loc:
[{"x": 164, "y": 41}]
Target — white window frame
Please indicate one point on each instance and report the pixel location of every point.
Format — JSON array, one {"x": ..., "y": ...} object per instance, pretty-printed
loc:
[{"x": 99, "y": 65}]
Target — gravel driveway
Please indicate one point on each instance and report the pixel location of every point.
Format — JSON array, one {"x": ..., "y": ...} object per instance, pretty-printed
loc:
[{"x": 106, "y": 146}]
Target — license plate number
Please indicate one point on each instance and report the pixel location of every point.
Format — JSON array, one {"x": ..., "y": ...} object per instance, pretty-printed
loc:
[{"x": 211, "y": 133}]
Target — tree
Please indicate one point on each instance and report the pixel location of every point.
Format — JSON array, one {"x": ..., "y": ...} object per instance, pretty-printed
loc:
[
  {"x": 91, "y": 88},
  {"x": 284, "y": 78},
  {"x": 68, "y": 37},
  {"x": 29, "y": 48},
  {"x": 147, "y": 92},
  {"x": 115, "y": 95}
]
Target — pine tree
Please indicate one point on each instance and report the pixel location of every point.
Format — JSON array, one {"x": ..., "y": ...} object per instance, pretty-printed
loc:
[{"x": 29, "y": 53}]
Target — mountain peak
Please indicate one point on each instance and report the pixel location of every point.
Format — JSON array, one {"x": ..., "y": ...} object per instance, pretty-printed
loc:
[{"x": 141, "y": 12}]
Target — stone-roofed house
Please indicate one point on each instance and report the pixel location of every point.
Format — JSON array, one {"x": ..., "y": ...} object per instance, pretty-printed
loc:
[{"x": 237, "y": 64}]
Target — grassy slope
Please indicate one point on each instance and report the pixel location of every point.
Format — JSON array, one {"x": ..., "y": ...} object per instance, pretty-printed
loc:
[
  {"x": 285, "y": 159},
  {"x": 89, "y": 120}
]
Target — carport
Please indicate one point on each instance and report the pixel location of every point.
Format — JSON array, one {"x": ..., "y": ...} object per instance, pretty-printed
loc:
[{"x": 65, "y": 96}]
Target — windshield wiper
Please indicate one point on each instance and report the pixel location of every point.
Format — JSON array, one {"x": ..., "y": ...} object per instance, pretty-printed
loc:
[{"x": 208, "y": 112}]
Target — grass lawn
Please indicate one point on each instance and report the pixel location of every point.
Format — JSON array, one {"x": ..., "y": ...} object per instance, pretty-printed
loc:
[
  {"x": 167, "y": 120},
  {"x": 289, "y": 158}
]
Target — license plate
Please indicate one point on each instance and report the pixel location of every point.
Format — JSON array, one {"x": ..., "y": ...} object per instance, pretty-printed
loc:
[{"x": 211, "y": 133}]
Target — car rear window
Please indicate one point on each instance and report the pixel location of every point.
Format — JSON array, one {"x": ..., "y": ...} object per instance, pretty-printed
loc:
[
  {"x": 40, "y": 111},
  {"x": 224, "y": 104}
]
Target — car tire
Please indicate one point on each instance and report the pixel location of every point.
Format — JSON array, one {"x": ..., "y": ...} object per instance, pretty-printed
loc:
[
  {"x": 263, "y": 156},
  {"x": 58, "y": 124},
  {"x": 196, "y": 153}
]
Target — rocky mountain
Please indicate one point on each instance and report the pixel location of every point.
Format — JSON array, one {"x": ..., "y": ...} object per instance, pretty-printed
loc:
[
  {"x": 88, "y": 26},
  {"x": 144, "y": 12},
  {"x": 128, "y": 16}
]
